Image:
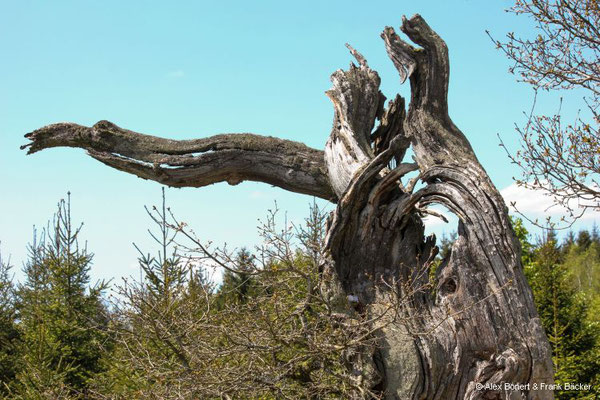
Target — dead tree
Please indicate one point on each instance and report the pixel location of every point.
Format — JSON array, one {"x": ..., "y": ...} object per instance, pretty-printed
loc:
[{"x": 478, "y": 324}]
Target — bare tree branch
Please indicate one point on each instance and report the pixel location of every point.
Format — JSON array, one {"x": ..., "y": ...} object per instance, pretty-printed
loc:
[
  {"x": 557, "y": 158},
  {"x": 232, "y": 158}
]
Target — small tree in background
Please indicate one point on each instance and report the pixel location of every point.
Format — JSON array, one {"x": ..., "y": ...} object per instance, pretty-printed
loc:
[
  {"x": 239, "y": 284},
  {"x": 62, "y": 318},
  {"x": 9, "y": 332}
]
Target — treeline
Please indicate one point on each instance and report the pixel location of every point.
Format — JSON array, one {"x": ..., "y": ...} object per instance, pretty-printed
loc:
[
  {"x": 274, "y": 328},
  {"x": 268, "y": 331},
  {"x": 565, "y": 279}
]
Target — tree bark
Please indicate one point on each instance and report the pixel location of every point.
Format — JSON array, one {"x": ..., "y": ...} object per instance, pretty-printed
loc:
[
  {"x": 230, "y": 158},
  {"x": 475, "y": 322}
]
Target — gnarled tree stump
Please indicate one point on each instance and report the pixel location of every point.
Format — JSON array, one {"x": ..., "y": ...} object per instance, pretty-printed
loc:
[{"x": 477, "y": 323}]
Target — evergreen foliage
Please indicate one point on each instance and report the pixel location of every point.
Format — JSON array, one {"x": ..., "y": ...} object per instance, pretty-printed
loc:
[
  {"x": 9, "y": 332},
  {"x": 563, "y": 307},
  {"x": 62, "y": 319},
  {"x": 238, "y": 284}
]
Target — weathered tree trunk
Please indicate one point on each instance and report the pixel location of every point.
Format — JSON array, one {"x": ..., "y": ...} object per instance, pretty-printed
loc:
[
  {"x": 476, "y": 323},
  {"x": 481, "y": 326}
]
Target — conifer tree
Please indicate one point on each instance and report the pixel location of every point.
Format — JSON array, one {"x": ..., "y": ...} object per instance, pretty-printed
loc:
[
  {"x": 239, "y": 283},
  {"x": 62, "y": 317},
  {"x": 9, "y": 333},
  {"x": 158, "y": 321},
  {"x": 584, "y": 239}
]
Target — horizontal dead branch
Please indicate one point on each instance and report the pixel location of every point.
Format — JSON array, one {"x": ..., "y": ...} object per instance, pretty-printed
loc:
[{"x": 231, "y": 158}]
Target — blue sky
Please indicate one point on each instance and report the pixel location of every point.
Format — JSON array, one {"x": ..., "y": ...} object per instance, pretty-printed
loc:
[{"x": 195, "y": 68}]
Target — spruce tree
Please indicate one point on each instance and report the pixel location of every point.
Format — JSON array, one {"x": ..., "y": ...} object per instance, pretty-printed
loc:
[
  {"x": 9, "y": 333},
  {"x": 239, "y": 283},
  {"x": 584, "y": 239},
  {"x": 159, "y": 320},
  {"x": 62, "y": 317}
]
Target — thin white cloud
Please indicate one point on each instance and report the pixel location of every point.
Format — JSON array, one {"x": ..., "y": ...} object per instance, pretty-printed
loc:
[
  {"x": 536, "y": 204},
  {"x": 176, "y": 74},
  {"x": 533, "y": 204}
]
